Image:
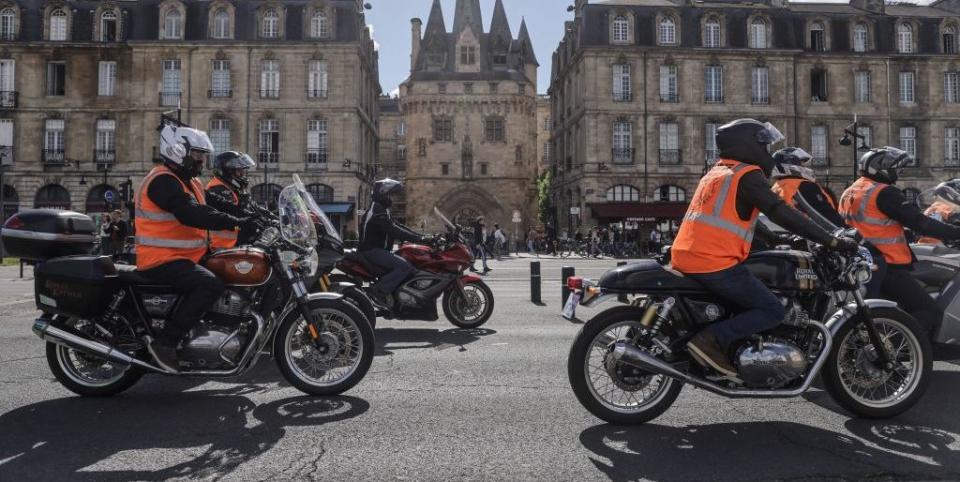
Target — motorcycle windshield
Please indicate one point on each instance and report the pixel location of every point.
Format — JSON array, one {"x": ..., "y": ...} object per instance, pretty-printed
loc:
[
  {"x": 320, "y": 217},
  {"x": 442, "y": 217},
  {"x": 296, "y": 225}
]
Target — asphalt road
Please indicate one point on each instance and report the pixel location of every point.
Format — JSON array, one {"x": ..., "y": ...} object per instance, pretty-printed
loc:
[{"x": 444, "y": 404}]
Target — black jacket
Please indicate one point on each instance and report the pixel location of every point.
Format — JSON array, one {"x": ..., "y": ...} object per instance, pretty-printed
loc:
[
  {"x": 167, "y": 193},
  {"x": 754, "y": 193},
  {"x": 379, "y": 231}
]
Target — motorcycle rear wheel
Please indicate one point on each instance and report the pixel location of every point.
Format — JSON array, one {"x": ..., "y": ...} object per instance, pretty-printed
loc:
[
  {"x": 348, "y": 338},
  {"x": 593, "y": 341},
  {"x": 87, "y": 375},
  {"x": 849, "y": 375},
  {"x": 465, "y": 313}
]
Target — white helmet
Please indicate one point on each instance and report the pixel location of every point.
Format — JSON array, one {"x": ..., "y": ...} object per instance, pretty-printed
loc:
[
  {"x": 791, "y": 162},
  {"x": 177, "y": 142}
]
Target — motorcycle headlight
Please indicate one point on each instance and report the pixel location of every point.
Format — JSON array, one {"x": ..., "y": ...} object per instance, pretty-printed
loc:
[
  {"x": 864, "y": 274},
  {"x": 309, "y": 264}
]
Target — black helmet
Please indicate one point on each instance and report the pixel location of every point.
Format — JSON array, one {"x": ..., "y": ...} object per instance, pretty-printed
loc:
[
  {"x": 884, "y": 164},
  {"x": 948, "y": 193},
  {"x": 231, "y": 167},
  {"x": 749, "y": 141},
  {"x": 383, "y": 189},
  {"x": 792, "y": 162}
]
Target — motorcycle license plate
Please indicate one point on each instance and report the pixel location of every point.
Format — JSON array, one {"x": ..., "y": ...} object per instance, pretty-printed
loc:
[{"x": 570, "y": 308}]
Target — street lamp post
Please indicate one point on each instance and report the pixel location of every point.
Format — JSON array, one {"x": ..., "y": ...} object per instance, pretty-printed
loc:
[
  {"x": 851, "y": 134},
  {"x": 3, "y": 203}
]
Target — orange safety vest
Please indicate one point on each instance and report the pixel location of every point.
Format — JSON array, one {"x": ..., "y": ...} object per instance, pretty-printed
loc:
[
  {"x": 223, "y": 239},
  {"x": 787, "y": 190},
  {"x": 940, "y": 211},
  {"x": 713, "y": 237},
  {"x": 858, "y": 206},
  {"x": 160, "y": 237}
]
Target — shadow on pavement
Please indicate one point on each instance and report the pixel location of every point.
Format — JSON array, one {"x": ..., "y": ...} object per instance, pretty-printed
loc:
[
  {"x": 78, "y": 438},
  {"x": 389, "y": 340}
]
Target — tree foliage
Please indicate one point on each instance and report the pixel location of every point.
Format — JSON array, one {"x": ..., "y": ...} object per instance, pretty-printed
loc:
[{"x": 543, "y": 196}]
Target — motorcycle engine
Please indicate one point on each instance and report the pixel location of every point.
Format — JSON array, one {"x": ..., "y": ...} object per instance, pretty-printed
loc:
[
  {"x": 770, "y": 363},
  {"x": 213, "y": 347},
  {"x": 231, "y": 304}
]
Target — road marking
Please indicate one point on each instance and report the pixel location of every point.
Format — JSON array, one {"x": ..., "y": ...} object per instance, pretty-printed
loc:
[{"x": 11, "y": 303}]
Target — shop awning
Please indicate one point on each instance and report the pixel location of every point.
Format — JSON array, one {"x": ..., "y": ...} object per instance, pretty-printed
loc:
[
  {"x": 637, "y": 210},
  {"x": 344, "y": 209}
]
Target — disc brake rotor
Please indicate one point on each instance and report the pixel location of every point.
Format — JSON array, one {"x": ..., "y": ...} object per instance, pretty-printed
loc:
[{"x": 625, "y": 377}]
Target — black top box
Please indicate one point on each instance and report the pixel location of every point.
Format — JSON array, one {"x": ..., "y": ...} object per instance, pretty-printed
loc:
[{"x": 41, "y": 234}]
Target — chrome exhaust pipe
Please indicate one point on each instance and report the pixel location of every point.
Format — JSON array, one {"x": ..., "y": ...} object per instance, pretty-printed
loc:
[
  {"x": 643, "y": 360},
  {"x": 52, "y": 334}
]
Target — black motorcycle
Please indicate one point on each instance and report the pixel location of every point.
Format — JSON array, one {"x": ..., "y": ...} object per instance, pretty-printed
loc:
[{"x": 628, "y": 364}]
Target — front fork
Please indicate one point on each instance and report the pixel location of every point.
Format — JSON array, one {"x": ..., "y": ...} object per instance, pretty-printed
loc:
[
  {"x": 866, "y": 318},
  {"x": 300, "y": 293}
]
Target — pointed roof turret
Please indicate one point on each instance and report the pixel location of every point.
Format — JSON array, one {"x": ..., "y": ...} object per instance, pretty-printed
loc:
[
  {"x": 526, "y": 46},
  {"x": 500, "y": 26},
  {"x": 436, "y": 28},
  {"x": 468, "y": 13}
]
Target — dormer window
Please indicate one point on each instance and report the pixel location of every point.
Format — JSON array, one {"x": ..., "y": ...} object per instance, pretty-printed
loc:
[
  {"x": 8, "y": 24},
  {"x": 468, "y": 54},
  {"x": 905, "y": 38},
  {"x": 319, "y": 26},
  {"x": 758, "y": 33},
  {"x": 499, "y": 59},
  {"x": 108, "y": 26},
  {"x": 173, "y": 25},
  {"x": 221, "y": 24},
  {"x": 949, "y": 39},
  {"x": 711, "y": 33},
  {"x": 270, "y": 27},
  {"x": 621, "y": 29},
  {"x": 58, "y": 25},
  {"x": 668, "y": 31},
  {"x": 818, "y": 38},
  {"x": 860, "y": 37}
]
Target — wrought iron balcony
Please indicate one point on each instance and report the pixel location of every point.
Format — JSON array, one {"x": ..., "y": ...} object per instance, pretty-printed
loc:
[
  {"x": 623, "y": 96},
  {"x": 713, "y": 98},
  {"x": 105, "y": 157},
  {"x": 219, "y": 94},
  {"x": 6, "y": 156},
  {"x": 269, "y": 158},
  {"x": 169, "y": 99},
  {"x": 670, "y": 157},
  {"x": 670, "y": 97},
  {"x": 8, "y": 99},
  {"x": 317, "y": 93},
  {"x": 760, "y": 99},
  {"x": 54, "y": 157},
  {"x": 316, "y": 159},
  {"x": 623, "y": 155},
  {"x": 269, "y": 93}
]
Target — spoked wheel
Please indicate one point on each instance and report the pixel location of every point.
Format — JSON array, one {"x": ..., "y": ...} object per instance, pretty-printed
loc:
[
  {"x": 860, "y": 385},
  {"x": 471, "y": 309},
  {"x": 611, "y": 390},
  {"x": 333, "y": 363},
  {"x": 88, "y": 375}
]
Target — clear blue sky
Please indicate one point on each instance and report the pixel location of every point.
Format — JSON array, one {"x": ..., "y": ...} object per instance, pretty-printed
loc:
[
  {"x": 545, "y": 18},
  {"x": 391, "y": 23}
]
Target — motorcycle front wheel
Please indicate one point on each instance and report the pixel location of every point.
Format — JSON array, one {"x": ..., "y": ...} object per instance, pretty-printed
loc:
[
  {"x": 470, "y": 309},
  {"x": 333, "y": 363},
  {"x": 859, "y": 385},
  {"x": 611, "y": 390}
]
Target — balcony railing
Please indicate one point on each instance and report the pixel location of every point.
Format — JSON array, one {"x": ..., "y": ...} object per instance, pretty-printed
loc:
[
  {"x": 623, "y": 96},
  {"x": 623, "y": 155},
  {"x": 6, "y": 156},
  {"x": 269, "y": 93},
  {"x": 269, "y": 158},
  {"x": 8, "y": 35},
  {"x": 713, "y": 98},
  {"x": 316, "y": 159},
  {"x": 316, "y": 93},
  {"x": 53, "y": 157},
  {"x": 219, "y": 93},
  {"x": 672, "y": 97},
  {"x": 8, "y": 99},
  {"x": 105, "y": 157},
  {"x": 670, "y": 157},
  {"x": 760, "y": 99},
  {"x": 169, "y": 99}
]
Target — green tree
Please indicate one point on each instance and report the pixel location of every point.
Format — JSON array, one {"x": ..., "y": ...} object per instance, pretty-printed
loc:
[{"x": 543, "y": 196}]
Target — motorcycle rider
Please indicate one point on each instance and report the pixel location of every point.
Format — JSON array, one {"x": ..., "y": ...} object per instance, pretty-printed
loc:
[
  {"x": 227, "y": 192},
  {"x": 944, "y": 208},
  {"x": 172, "y": 222},
  {"x": 715, "y": 237},
  {"x": 881, "y": 213},
  {"x": 791, "y": 178},
  {"x": 378, "y": 232}
]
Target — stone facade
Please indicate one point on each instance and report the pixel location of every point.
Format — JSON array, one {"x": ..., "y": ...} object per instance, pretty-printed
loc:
[
  {"x": 470, "y": 112},
  {"x": 638, "y": 85},
  {"x": 393, "y": 152},
  {"x": 544, "y": 122},
  {"x": 326, "y": 126}
]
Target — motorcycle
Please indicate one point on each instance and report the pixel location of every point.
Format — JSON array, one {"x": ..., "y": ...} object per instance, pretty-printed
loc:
[
  {"x": 628, "y": 364},
  {"x": 440, "y": 271},
  {"x": 98, "y": 317}
]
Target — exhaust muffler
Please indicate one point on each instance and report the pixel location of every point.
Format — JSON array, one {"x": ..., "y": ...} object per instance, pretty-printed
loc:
[
  {"x": 631, "y": 355},
  {"x": 52, "y": 334}
]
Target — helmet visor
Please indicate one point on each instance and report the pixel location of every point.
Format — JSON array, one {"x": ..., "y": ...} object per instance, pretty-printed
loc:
[{"x": 770, "y": 135}]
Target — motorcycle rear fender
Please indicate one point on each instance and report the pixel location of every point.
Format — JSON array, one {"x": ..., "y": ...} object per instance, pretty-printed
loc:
[
  {"x": 848, "y": 312},
  {"x": 341, "y": 286}
]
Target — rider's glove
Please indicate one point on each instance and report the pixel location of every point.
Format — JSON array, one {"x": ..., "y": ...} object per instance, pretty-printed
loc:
[
  {"x": 248, "y": 224},
  {"x": 844, "y": 244}
]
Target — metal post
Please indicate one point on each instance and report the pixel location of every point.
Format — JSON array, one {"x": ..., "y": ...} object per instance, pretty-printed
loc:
[
  {"x": 622, "y": 298},
  {"x": 856, "y": 138},
  {"x": 535, "y": 283},
  {"x": 565, "y": 272},
  {"x": 3, "y": 205}
]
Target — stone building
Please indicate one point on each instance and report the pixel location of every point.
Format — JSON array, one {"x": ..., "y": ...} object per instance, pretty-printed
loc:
[
  {"x": 470, "y": 112},
  {"x": 639, "y": 87},
  {"x": 393, "y": 151},
  {"x": 293, "y": 83},
  {"x": 543, "y": 133}
]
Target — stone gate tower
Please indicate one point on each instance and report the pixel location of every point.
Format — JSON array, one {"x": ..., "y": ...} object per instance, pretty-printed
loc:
[{"x": 470, "y": 110}]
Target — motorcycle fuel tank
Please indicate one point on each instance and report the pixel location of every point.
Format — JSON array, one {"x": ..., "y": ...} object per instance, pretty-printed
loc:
[
  {"x": 454, "y": 259},
  {"x": 785, "y": 270},
  {"x": 240, "y": 267}
]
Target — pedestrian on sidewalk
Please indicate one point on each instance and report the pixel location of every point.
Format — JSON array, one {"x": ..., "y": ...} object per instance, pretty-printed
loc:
[
  {"x": 654, "y": 242},
  {"x": 106, "y": 249},
  {"x": 478, "y": 249},
  {"x": 118, "y": 233},
  {"x": 499, "y": 241},
  {"x": 531, "y": 240}
]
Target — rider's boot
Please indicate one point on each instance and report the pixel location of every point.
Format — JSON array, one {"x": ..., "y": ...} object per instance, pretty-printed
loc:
[
  {"x": 381, "y": 299},
  {"x": 707, "y": 352}
]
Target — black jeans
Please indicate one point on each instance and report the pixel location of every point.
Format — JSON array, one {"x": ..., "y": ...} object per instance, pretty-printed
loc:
[
  {"x": 761, "y": 310},
  {"x": 899, "y": 285},
  {"x": 199, "y": 288}
]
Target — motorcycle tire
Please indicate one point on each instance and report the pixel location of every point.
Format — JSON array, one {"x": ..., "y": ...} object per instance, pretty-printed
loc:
[
  {"x": 360, "y": 300},
  {"x": 291, "y": 322},
  {"x": 833, "y": 381},
  {"x": 576, "y": 372},
  {"x": 71, "y": 382},
  {"x": 452, "y": 296}
]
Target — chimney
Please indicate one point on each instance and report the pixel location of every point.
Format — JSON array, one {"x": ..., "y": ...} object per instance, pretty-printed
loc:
[{"x": 415, "y": 34}]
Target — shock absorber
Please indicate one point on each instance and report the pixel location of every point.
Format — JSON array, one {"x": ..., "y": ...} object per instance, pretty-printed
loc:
[{"x": 655, "y": 317}]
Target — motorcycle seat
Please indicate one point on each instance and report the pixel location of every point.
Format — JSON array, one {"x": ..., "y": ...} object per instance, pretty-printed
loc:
[
  {"x": 129, "y": 275},
  {"x": 362, "y": 261}
]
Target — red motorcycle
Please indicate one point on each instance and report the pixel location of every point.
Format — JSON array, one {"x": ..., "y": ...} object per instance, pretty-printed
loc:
[{"x": 440, "y": 271}]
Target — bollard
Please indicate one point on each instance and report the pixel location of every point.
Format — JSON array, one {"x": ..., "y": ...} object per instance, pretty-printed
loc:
[
  {"x": 535, "y": 282},
  {"x": 565, "y": 272},
  {"x": 21, "y": 269},
  {"x": 622, "y": 298}
]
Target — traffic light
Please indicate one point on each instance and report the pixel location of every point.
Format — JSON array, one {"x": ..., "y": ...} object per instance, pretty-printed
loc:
[{"x": 126, "y": 189}]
